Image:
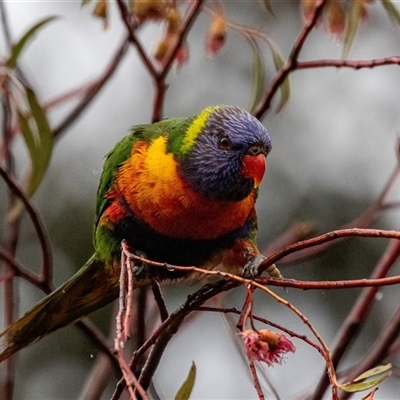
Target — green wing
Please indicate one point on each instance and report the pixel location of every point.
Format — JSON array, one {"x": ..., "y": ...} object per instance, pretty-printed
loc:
[
  {"x": 113, "y": 160},
  {"x": 121, "y": 152}
]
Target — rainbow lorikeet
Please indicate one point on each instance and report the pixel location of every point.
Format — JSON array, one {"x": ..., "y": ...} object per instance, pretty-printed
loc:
[{"x": 182, "y": 191}]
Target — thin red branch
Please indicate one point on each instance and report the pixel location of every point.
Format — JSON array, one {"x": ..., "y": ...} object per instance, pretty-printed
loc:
[
  {"x": 121, "y": 335},
  {"x": 256, "y": 381},
  {"x": 12, "y": 229},
  {"x": 123, "y": 324},
  {"x": 193, "y": 13},
  {"x": 18, "y": 269},
  {"x": 130, "y": 28},
  {"x": 161, "y": 86},
  {"x": 329, "y": 285},
  {"x": 158, "y": 75},
  {"x": 139, "y": 327},
  {"x": 267, "y": 322},
  {"x": 47, "y": 264},
  {"x": 355, "y": 64},
  {"x": 327, "y": 237},
  {"x": 158, "y": 297},
  {"x": 286, "y": 283},
  {"x": 98, "y": 339}
]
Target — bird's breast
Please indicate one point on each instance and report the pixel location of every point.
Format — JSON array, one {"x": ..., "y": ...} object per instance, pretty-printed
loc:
[{"x": 152, "y": 187}]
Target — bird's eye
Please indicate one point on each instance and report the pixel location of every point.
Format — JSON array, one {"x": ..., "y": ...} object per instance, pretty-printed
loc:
[
  {"x": 255, "y": 149},
  {"x": 224, "y": 143}
]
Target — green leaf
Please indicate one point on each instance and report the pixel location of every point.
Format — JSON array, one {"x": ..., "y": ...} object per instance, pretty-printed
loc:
[
  {"x": 85, "y": 2},
  {"x": 38, "y": 137},
  {"x": 368, "y": 379},
  {"x": 186, "y": 389},
  {"x": 19, "y": 46},
  {"x": 279, "y": 62},
  {"x": 391, "y": 10},
  {"x": 258, "y": 75},
  {"x": 352, "y": 26},
  {"x": 373, "y": 371},
  {"x": 41, "y": 154}
]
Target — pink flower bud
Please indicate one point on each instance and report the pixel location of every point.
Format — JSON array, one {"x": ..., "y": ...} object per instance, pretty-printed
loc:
[
  {"x": 216, "y": 35},
  {"x": 266, "y": 346}
]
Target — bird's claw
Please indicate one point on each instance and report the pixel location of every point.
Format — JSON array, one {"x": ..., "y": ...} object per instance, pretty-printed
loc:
[
  {"x": 250, "y": 270},
  {"x": 140, "y": 269}
]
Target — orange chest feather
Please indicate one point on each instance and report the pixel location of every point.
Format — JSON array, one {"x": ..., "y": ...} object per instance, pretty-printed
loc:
[{"x": 151, "y": 186}]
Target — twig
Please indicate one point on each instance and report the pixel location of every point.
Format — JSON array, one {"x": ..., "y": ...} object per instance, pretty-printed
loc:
[
  {"x": 18, "y": 269},
  {"x": 264, "y": 321},
  {"x": 158, "y": 297},
  {"x": 196, "y": 8},
  {"x": 98, "y": 339},
  {"x": 141, "y": 312},
  {"x": 97, "y": 379},
  {"x": 327, "y": 237},
  {"x": 123, "y": 323},
  {"x": 330, "y": 285},
  {"x": 130, "y": 28},
  {"x": 293, "y": 283},
  {"x": 12, "y": 229},
  {"x": 355, "y": 64},
  {"x": 4, "y": 23},
  {"x": 158, "y": 75},
  {"x": 256, "y": 381},
  {"x": 47, "y": 266}
]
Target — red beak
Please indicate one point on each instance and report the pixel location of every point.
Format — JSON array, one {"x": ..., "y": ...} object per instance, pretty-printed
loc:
[{"x": 254, "y": 167}]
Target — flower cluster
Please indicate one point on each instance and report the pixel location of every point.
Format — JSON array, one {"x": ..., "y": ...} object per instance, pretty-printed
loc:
[{"x": 266, "y": 346}]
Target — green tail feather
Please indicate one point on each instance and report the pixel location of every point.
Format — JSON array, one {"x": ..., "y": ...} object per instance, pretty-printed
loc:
[{"x": 95, "y": 285}]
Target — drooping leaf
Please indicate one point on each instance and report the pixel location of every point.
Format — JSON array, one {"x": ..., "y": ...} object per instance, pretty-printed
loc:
[
  {"x": 44, "y": 147},
  {"x": 353, "y": 21},
  {"x": 279, "y": 61},
  {"x": 186, "y": 389},
  {"x": 258, "y": 75},
  {"x": 368, "y": 379},
  {"x": 391, "y": 10},
  {"x": 19, "y": 46},
  {"x": 38, "y": 138},
  {"x": 380, "y": 369}
]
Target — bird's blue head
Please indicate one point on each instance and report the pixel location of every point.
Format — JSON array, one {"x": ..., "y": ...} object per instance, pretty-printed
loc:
[{"x": 225, "y": 151}]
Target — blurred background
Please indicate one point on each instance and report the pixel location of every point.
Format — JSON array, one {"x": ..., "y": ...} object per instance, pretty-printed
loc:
[{"x": 334, "y": 148}]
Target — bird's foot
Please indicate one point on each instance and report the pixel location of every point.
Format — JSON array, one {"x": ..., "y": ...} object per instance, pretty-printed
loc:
[
  {"x": 250, "y": 270},
  {"x": 139, "y": 268}
]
